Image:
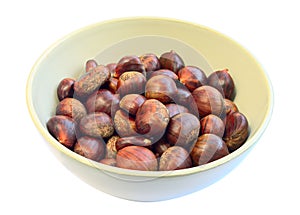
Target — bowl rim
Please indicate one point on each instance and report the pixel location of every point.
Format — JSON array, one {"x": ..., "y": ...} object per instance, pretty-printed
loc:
[{"x": 115, "y": 170}]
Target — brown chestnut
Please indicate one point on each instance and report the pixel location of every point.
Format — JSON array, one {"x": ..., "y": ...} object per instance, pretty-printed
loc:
[
  {"x": 175, "y": 158},
  {"x": 72, "y": 108},
  {"x": 113, "y": 85},
  {"x": 91, "y": 148},
  {"x": 91, "y": 81},
  {"x": 165, "y": 72},
  {"x": 129, "y": 63},
  {"x": 160, "y": 147},
  {"x": 150, "y": 62},
  {"x": 172, "y": 61},
  {"x": 192, "y": 77},
  {"x": 223, "y": 82},
  {"x": 175, "y": 109},
  {"x": 183, "y": 130},
  {"x": 111, "y": 67},
  {"x": 97, "y": 125},
  {"x": 162, "y": 88},
  {"x": 132, "y": 141},
  {"x": 131, "y": 82},
  {"x": 109, "y": 161},
  {"x": 111, "y": 149},
  {"x": 131, "y": 103},
  {"x": 136, "y": 158},
  {"x": 100, "y": 101},
  {"x": 152, "y": 119},
  {"x": 208, "y": 148},
  {"x": 184, "y": 97},
  {"x": 63, "y": 129},
  {"x": 124, "y": 124},
  {"x": 209, "y": 101},
  {"x": 90, "y": 64},
  {"x": 211, "y": 124},
  {"x": 65, "y": 88},
  {"x": 230, "y": 106},
  {"x": 236, "y": 130}
]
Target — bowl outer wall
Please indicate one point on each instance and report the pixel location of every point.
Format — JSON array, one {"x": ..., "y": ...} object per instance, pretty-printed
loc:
[{"x": 66, "y": 58}]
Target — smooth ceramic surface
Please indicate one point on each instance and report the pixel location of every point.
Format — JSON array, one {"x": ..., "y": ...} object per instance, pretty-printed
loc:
[{"x": 107, "y": 42}]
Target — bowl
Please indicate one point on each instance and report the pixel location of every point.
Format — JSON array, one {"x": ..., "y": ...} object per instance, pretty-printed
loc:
[{"x": 110, "y": 40}]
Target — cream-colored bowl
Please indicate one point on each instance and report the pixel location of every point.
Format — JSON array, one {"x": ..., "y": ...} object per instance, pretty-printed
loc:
[{"x": 107, "y": 42}]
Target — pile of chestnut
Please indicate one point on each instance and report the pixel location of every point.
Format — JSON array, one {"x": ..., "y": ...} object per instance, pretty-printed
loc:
[{"x": 149, "y": 113}]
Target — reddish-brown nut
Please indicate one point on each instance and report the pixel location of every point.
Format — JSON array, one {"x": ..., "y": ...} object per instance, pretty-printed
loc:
[
  {"x": 90, "y": 64},
  {"x": 131, "y": 82},
  {"x": 91, "y": 148},
  {"x": 113, "y": 85},
  {"x": 165, "y": 72},
  {"x": 175, "y": 109},
  {"x": 175, "y": 158},
  {"x": 172, "y": 61},
  {"x": 211, "y": 124},
  {"x": 109, "y": 161},
  {"x": 230, "y": 106},
  {"x": 91, "y": 81},
  {"x": 192, "y": 77},
  {"x": 65, "y": 88},
  {"x": 62, "y": 128},
  {"x": 132, "y": 141},
  {"x": 208, "y": 148},
  {"x": 160, "y": 147},
  {"x": 100, "y": 101},
  {"x": 183, "y": 130},
  {"x": 129, "y": 63},
  {"x": 184, "y": 97},
  {"x": 97, "y": 125},
  {"x": 131, "y": 103},
  {"x": 236, "y": 130},
  {"x": 72, "y": 108},
  {"x": 209, "y": 101},
  {"x": 150, "y": 62},
  {"x": 162, "y": 88},
  {"x": 152, "y": 119},
  {"x": 136, "y": 158},
  {"x": 124, "y": 124},
  {"x": 111, "y": 67},
  {"x": 223, "y": 82},
  {"x": 111, "y": 149}
]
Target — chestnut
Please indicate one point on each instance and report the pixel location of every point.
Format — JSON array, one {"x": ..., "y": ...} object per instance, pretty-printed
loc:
[
  {"x": 184, "y": 97},
  {"x": 152, "y": 119},
  {"x": 113, "y": 85},
  {"x": 131, "y": 82},
  {"x": 90, "y": 64},
  {"x": 100, "y": 101},
  {"x": 175, "y": 109},
  {"x": 192, "y": 77},
  {"x": 160, "y": 147},
  {"x": 211, "y": 124},
  {"x": 129, "y": 63},
  {"x": 131, "y": 103},
  {"x": 111, "y": 67},
  {"x": 109, "y": 161},
  {"x": 165, "y": 72},
  {"x": 111, "y": 149},
  {"x": 174, "y": 158},
  {"x": 236, "y": 130},
  {"x": 72, "y": 108},
  {"x": 62, "y": 128},
  {"x": 230, "y": 106},
  {"x": 124, "y": 124},
  {"x": 91, "y": 81},
  {"x": 183, "y": 130},
  {"x": 97, "y": 125},
  {"x": 91, "y": 148},
  {"x": 208, "y": 148},
  {"x": 136, "y": 158},
  {"x": 172, "y": 61},
  {"x": 208, "y": 101},
  {"x": 132, "y": 141},
  {"x": 223, "y": 82},
  {"x": 162, "y": 88},
  {"x": 150, "y": 62},
  {"x": 65, "y": 88}
]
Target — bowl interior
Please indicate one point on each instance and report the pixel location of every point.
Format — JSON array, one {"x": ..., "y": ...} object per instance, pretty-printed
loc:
[{"x": 109, "y": 41}]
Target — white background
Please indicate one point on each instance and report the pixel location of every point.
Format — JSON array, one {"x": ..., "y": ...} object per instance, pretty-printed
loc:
[{"x": 32, "y": 181}]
